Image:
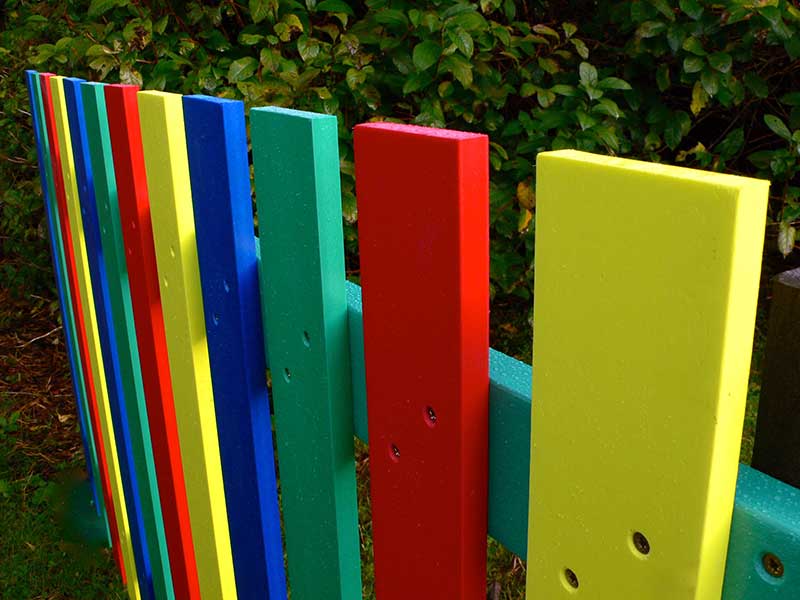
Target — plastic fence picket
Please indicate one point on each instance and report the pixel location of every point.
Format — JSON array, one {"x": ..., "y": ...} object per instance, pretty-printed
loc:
[
  {"x": 423, "y": 203},
  {"x": 223, "y": 216},
  {"x": 640, "y": 374},
  {"x": 296, "y": 164},
  {"x": 121, "y": 364},
  {"x": 64, "y": 298},
  {"x": 85, "y": 327},
  {"x": 166, "y": 162},
  {"x": 112, "y": 112}
]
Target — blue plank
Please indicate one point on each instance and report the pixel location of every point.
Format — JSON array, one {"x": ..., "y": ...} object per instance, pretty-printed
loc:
[
  {"x": 154, "y": 579},
  {"x": 64, "y": 296},
  {"x": 219, "y": 171}
]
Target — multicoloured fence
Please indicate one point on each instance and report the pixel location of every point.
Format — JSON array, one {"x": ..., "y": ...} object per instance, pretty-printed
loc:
[{"x": 625, "y": 466}]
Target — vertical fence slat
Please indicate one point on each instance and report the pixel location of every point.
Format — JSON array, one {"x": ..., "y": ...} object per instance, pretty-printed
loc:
[
  {"x": 642, "y": 354},
  {"x": 62, "y": 287},
  {"x": 121, "y": 367},
  {"x": 104, "y": 438},
  {"x": 423, "y": 202},
  {"x": 296, "y": 161},
  {"x": 166, "y": 162},
  {"x": 138, "y": 302},
  {"x": 223, "y": 215},
  {"x": 776, "y": 450}
]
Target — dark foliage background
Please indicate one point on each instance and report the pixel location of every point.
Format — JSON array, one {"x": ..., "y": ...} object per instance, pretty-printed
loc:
[{"x": 705, "y": 84}]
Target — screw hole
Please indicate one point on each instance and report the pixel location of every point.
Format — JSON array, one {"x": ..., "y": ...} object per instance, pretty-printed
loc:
[
  {"x": 641, "y": 543},
  {"x": 226, "y": 286},
  {"x": 571, "y": 578},
  {"x": 133, "y": 224},
  {"x": 772, "y": 565},
  {"x": 306, "y": 339},
  {"x": 430, "y": 416},
  {"x": 287, "y": 375},
  {"x": 166, "y": 283},
  {"x": 216, "y": 319},
  {"x": 172, "y": 251},
  {"x": 394, "y": 453}
]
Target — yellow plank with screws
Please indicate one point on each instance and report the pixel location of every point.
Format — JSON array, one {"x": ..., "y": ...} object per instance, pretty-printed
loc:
[{"x": 646, "y": 284}]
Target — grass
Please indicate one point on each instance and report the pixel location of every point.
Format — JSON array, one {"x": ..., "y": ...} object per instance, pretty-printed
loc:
[{"x": 51, "y": 541}]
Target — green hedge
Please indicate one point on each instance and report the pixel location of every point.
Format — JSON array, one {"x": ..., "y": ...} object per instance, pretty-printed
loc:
[{"x": 705, "y": 84}]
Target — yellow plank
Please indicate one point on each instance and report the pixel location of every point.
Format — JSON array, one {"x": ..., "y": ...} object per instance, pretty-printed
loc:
[
  {"x": 646, "y": 284},
  {"x": 166, "y": 162},
  {"x": 92, "y": 333}
]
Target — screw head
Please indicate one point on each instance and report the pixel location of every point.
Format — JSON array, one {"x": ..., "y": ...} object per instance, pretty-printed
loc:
[
  {"x": 641, "y": 543},
  {"x": 772, "y": 565},
  {"x": 571, "y": 578}
]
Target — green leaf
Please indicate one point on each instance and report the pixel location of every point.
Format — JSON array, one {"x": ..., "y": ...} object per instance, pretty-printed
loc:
[
  {"x": 569, "y": 29},
  {"x": 580, "y": 47},
  {"x": 548, "y": 65},
  {"x": 460, "y": 67},
  {"x": 527, "y": 89},
  {"x": 463, "y": 41},
  {"x": 564, "y": 90},
  {"x": 335, "y": 6},
  {"x": 699, "y": 98},
  {"x": 588, "y": 74},
  {"x": 732, "y": 143},
  {"x": 791, "y": 99},
  {"x": 426, "y": 54},
  {"x": 710, "y": 81},
  {"x": 242, "y": 69},
  {"x": 259, "y": 10},
  {"x": 614, "y": 83},
  {"x": 786, "y": 238},
  {"x": 392, "y": 18},
  {"x": 99, "y": 7},
  {"x": 650, "y": 29},
  {"x": 307, "y": 47},
  {"x": 755, "y": 84},
  {"x": 778, "y": 127},
  {"x": 608, "y": 107},
  {"x": 721, "y": 61},
  {"x": 665, "y": 8},
  {"x": 693, "y": 64},
  {"x": 694, "y": 45},
  {"x": 692, "y": 8},
  {"x": 545, "y": 98},
  {"x": 545, "y": 30}
]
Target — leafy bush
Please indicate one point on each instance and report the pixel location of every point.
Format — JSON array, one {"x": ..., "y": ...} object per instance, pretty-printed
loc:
[{"x": 695, "y": 82}]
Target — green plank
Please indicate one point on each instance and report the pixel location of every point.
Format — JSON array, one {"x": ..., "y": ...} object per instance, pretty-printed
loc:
[{"x": 305, "y": 306}]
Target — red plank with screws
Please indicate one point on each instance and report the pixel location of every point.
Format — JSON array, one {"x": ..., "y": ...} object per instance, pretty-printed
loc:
[
  {"x": 80, "y": 324},
  {"x": 423, "y": 204},
  {"x": 137, "y": 231}
]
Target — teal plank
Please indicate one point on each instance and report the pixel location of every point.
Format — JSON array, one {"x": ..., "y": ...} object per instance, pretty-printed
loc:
[{"x": 302, "y": 261}]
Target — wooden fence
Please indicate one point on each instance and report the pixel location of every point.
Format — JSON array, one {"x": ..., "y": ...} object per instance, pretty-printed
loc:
[{"x": 646, "y": 280}]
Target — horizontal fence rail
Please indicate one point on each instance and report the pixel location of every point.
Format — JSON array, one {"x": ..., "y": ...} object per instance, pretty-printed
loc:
[{"x": 166, "y": 289}]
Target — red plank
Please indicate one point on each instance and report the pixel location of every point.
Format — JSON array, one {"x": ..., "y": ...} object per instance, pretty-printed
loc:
[
  {"x": 137, "y": 231},
  {"x": 80, "y": 324},
  {"x": 423, "y": 206}
]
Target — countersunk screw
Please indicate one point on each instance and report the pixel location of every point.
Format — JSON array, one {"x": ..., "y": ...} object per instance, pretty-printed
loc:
[{"x": 772, "y": 565}]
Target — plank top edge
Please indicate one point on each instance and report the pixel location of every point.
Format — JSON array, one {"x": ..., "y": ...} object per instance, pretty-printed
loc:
[
  {"x": 711, "y": 178},
  {"x": 419, "y": 131},
  {"x": 291, "y": 112}
]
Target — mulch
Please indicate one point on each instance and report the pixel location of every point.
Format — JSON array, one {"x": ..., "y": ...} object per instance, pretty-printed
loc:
[{"x": 35, "y": 384}]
